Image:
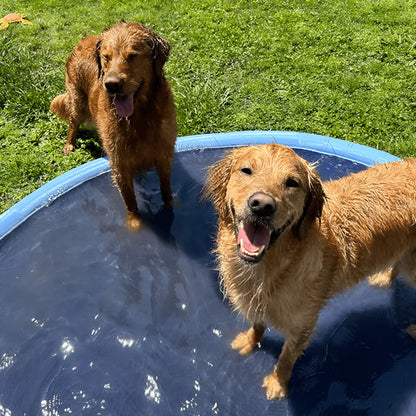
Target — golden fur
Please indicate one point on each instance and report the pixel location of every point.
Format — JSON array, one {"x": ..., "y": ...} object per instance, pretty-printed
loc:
[
  {"x": 116, "y": 81},
  {"x": 332, "y": 235}
]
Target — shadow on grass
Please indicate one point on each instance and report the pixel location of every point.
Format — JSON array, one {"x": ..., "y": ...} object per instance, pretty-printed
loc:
[{"x": 89, "y": 140}]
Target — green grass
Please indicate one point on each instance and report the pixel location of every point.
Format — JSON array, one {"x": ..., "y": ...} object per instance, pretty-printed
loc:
[{"x": 340, "y": 68}]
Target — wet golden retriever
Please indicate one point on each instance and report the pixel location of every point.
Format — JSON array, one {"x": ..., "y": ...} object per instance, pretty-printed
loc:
[
  {"x": 288, "y": 242},
  {"x": 116, "y": 81}
]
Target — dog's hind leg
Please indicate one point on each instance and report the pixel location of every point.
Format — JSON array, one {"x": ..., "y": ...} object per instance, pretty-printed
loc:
[
  {"x": 411, "y": 330},
  {"x": 62, "y": 106},
  {"x": 72, "y": 138},
  {"x": 245, "y": 342},
  {"x": 77, "y": 105},
  {"x": 407, "y": 268}
]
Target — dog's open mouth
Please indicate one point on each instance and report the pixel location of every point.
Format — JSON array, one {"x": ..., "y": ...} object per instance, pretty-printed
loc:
[
  {"x": 252, "y": 241},
  {"x": 125, "y": 103}
]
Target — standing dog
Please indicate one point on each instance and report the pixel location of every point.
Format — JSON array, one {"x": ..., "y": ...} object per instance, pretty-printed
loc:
[
  {"x": 288, "y": 242},
  {"x": 116, "y": 81}
]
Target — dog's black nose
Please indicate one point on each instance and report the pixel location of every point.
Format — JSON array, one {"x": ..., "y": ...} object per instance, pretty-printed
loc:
[
  {"x": 262, "y": 204},
  {"x": 113, "y": 84}
]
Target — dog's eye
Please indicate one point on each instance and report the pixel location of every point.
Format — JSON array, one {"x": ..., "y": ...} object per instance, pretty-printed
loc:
[
  {"x": 106, "y": 58},
  {"x": 292, "y": 183},
  {"x": 132, "y": 55},
  {"x": 246, "y": 171}
]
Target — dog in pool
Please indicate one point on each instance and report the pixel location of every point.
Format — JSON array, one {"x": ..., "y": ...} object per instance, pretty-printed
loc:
[
  {"x": 287, "y": 242},
  {"x": 116, "y": 81}
]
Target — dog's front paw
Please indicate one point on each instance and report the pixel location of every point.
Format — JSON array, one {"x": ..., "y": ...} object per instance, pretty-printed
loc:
[
  {"x": 133, "y": 222},
  {"x": 243, "y": 343},
  {"x": 274, "y": 390}
]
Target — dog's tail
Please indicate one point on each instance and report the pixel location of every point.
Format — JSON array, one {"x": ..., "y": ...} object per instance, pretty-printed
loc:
[{"x": 59, "y": 106}]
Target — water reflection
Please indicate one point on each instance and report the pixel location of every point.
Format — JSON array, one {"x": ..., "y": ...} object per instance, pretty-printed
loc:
[
  {"x": 66, "y": 348},
  {"x": 151, "y": 390}
]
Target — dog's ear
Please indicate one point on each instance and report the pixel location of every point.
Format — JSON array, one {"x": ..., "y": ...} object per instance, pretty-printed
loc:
[
  {"x": 314, "y": 204},
  {"x": 215, "y": 188},
  {"x": 98, "y": 58},
  {"x": 160, "y": 51}
]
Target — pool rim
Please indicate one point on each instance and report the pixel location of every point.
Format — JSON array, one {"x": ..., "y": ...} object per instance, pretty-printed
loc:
[{"x": 46, "y": 194}]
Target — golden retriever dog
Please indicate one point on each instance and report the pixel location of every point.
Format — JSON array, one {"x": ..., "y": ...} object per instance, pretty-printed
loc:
[
  {"x": 116, "y": 81},
  {"x": 287, "y": 242}
]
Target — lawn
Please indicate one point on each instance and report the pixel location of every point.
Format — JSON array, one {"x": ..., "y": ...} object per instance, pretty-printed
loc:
[{"x": 340, "y": 68}]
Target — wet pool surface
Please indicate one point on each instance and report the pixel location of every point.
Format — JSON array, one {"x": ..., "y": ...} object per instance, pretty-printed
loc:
[{"x": 98, "y": 320}]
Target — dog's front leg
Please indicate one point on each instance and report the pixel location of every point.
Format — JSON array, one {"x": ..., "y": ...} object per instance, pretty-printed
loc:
[
  {"x": 245, "y": 342},
  {"x": 276, "y": 383},
  {"x": 164, "y": 170},
  {"x": 125, "y": 184}
]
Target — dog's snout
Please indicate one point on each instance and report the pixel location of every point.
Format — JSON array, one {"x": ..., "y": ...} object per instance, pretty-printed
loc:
[
  {"x": 113, "y": 84},
  {"x": 262, "y": 204}
]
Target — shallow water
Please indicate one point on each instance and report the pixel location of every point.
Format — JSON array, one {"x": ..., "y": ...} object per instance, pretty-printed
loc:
[{"x": 98, "y": 320}]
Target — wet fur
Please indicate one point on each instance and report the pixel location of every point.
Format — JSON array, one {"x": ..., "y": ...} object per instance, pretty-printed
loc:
[
  {"x": 147, "y": 138},
  {"x": 340, "y": 232}
]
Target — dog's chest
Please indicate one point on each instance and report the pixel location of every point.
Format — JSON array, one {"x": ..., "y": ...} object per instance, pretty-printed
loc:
[
  {"x": 284, "y": 294},
  {"x": 262, "y": 295}
]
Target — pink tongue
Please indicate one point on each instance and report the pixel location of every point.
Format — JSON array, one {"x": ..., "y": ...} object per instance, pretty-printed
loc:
[
  {"x": 124, "y": 105},
  {"x": 253, "y": 237}
]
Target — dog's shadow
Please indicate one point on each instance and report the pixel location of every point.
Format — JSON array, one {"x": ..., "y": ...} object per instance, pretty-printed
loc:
[
  {"x": 362, "y": 364},
  {"x": 89, "y": 141}
]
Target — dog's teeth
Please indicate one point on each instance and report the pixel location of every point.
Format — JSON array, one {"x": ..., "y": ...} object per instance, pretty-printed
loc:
[
  {"x": 252, "y": 254},
  {"x": 247, "y": 253}
]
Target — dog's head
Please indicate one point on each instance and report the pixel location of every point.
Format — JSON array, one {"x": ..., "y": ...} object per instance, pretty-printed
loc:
[
  {"x": 264, "y": 191},
  {"x": 130, "y": 57}
]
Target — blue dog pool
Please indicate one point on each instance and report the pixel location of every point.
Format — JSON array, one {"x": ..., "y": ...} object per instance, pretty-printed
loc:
[{"x": 98, "y": 320}]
